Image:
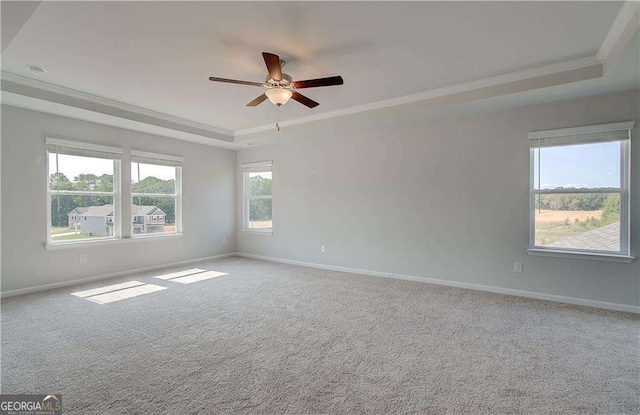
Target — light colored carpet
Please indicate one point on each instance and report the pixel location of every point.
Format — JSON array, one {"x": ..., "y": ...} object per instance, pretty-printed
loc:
[{"x": 271, "y": 338}]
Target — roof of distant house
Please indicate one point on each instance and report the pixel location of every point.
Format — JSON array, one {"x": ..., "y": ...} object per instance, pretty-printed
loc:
[
  {"x": 107, "y": 210},
  {"x": 79, "y": 209},
  {"x": 146, "y": 210},
  {"x": 606, "y": 238},
  {"x": 104, "y": 210}
]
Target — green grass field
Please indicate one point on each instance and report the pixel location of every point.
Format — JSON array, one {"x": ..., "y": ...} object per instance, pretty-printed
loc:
[
  {"x": 60, "y": 233},
  {"x": 69, "y": 237}
]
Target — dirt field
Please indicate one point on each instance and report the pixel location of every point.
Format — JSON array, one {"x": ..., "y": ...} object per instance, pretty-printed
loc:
[
  {"x": 265, "y": 224},
  {"x": 551, "y": 216},
  {"x": 555, "y": 225}
]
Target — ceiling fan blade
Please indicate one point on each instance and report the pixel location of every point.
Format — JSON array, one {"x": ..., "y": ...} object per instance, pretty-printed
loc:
[
  {"x": 314, "y": 83},
  {"x": 304, "y": 100},
  {"x": 234, "y": 81},
  {"x": 257, "y": 101},
  {"x": 273, "y": 65}
]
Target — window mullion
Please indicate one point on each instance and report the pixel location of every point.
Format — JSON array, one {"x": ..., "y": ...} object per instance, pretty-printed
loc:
[
  {"x": 117, "y": 211},
  {"x": 624, "y": 196},
  {"x": 154, "y": 195},
  {"x": 83, "y": 193},
  {"x": 576, "y": 191}
]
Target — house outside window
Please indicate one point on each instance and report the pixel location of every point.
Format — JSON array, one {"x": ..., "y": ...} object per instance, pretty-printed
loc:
[
  {"x": 82, "y": 179},
  {"x": 579, "y": 192},
  {"x": 258, "y": 197},
  {"x": 156, "y": 194}
]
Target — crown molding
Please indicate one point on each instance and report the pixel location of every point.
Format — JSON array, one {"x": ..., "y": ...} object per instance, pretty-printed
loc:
[
  {"x": 56, "y": 89},
  {"x": 62, "y": 110},
  {"x": 623, "y": 28},
  {"x": 539, "y": 77}
]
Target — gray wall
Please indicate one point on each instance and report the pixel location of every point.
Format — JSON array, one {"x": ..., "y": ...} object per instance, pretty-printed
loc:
[
  {"x": 412, "y": 191},
  {"x": 208, "y": 204}
]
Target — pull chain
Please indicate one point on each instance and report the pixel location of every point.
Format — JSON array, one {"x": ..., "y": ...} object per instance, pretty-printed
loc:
[{"x": 277, "y": 117}]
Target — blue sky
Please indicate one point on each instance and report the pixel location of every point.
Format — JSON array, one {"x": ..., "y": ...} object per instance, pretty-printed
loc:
[{"x": 587, "y": 165}]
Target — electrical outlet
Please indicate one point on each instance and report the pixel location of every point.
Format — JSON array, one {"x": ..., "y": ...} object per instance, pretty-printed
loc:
[
  {"x": 323, "y": 249},
  {"x": 82, "y": 259},
  {"x": 517, "y": 267}
]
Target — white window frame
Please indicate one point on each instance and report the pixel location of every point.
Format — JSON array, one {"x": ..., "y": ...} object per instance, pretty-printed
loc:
[
  {"x": 145, "y": 157},
  {"x": 255, "y": 167},
  {"x": 574, "y": 136},
  {"x": 116, "y": 194}
]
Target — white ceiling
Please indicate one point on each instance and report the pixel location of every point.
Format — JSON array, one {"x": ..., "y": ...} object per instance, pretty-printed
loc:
[{"x": 159, "y": 55}]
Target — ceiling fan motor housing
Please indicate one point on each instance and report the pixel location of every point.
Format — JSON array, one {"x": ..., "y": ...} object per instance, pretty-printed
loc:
[
  {"x": 286, "y": 82},
  {"x": 280, "y": 86}
]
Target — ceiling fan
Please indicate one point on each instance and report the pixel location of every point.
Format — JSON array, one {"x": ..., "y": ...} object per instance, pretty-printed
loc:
[{"x": 280, "y": 86}]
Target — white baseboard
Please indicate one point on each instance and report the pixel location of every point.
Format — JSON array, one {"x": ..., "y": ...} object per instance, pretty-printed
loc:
[
  {"x": 448, "y": 283},
  {"x": 30, "y": 290}
]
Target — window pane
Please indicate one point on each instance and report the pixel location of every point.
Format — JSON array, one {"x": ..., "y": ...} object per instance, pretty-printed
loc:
[
  {"x": 152, "y": 178},
  {"x": 81, "y": 217},
  {"x": 260, "y": 214},
  {"x": 153, "y": 215},
  {"x": 80, "y": 173},
  {"x": 579, "y": 221},
  {"x": 581, "y": 166},
  {"x": 259, "y": 184}
]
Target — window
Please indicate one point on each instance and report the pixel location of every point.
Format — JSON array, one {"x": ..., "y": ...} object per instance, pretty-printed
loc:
[
  {"x": 82, "y": 179},
  {"x": 257, "y": 196},
  {"x": 580, "y": 191},
  {"x": 156, "y": 193}
]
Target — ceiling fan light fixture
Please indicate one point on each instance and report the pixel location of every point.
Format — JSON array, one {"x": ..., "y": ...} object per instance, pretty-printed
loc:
[
  {"x": 280, "y": 86},
  {"x": 279, "y": 96}
]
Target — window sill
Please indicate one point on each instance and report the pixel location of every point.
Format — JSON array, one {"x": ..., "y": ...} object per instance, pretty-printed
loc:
[
  {"x": 626, "y": 259},
  {"x": 258, "y": 232},
  {"x": 151, "y": 236},
  {"x": 107, "y": 242}
]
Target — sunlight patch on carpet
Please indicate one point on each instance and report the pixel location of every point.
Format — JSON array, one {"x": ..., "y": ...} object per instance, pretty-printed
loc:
[
  {"x": 117, "y": 292},
  {"x": 107, "y": 289},
  {"x": 180, "y": 274},
  {"x": 124, "y": 294},
  {"x": 189, "y": 279}
]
